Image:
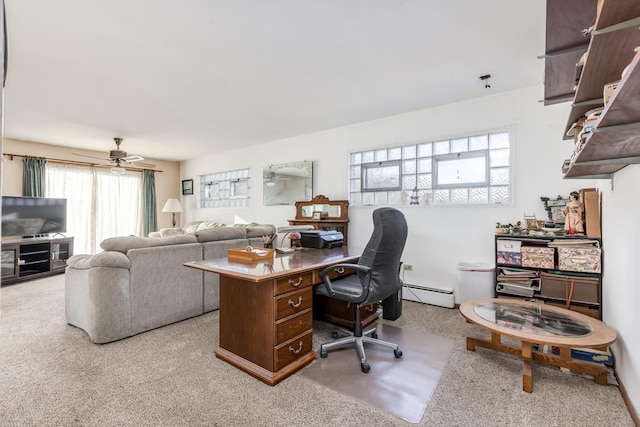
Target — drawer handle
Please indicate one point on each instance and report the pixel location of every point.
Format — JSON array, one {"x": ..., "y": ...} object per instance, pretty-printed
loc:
[
  {"x": 295, "y": 284},
  {"x": 294, "y": 305},
  {"x": 370, "y": 308},
  {"x": 340, "y": 270},
  {"x": 579, "y": 260},
  {"x": 294, "y": 351}
]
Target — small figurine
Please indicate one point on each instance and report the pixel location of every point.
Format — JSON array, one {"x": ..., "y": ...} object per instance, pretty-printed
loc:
[{"x": 573, "y": 215}]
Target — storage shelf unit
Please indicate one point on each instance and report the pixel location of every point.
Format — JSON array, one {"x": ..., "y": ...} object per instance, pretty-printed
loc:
[
  {"x": 555, "y": 283},
  {"x": 26, "y": 259},
  {"x": 615, "y": 141}
]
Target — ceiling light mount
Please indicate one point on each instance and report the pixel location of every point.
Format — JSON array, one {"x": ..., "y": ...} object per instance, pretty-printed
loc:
[{"x": 485, "y": 79}]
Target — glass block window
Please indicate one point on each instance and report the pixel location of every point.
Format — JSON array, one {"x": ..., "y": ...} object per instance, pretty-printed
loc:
[
  {"x": 464, "y": 170},
  {"x": 225, "y": 189}
]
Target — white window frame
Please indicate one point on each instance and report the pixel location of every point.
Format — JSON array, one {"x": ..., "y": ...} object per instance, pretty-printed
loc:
[
  {"x": 232, "y": 189},
  {"x": 418, "y": 167}
]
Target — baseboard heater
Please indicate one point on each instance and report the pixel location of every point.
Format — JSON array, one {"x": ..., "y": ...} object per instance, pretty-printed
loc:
[{"x": 428, "y": 295}]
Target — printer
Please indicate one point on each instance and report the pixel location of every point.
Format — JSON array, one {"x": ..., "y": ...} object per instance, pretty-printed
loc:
[{"x": 321, "y": 239}]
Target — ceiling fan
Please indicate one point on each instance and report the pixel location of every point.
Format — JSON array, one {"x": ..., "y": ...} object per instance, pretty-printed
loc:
[{"x": 120, "y": 158}]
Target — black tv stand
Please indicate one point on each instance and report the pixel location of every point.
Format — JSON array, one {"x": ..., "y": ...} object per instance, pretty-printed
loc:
[
  {"x": 34, "y": 236},
  {"x": 34, "y": 257}
]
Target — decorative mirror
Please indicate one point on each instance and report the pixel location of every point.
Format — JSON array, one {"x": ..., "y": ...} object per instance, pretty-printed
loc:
[
  {"x": 321, "y": 208},
  {"x": 286, "y": 183}
]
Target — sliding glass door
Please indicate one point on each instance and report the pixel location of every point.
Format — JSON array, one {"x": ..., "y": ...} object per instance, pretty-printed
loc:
[{"x": 99, "y": 203}]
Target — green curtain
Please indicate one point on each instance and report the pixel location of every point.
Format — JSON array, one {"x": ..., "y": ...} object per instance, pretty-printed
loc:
[
  {"x": 33, "y": 176},
  {"x": 150, "y": 220}
]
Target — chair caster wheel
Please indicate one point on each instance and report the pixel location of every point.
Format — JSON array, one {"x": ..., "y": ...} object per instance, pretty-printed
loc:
[
  {"x": 334, "y": 335},
  {"x": 324, "y": 354},
  {"x": 374, "y": 335},
  {"x": 397, "y": 354},
  {"x": 364, "y": 367}
]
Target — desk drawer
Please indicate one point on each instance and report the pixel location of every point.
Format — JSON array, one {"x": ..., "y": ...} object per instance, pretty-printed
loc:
[
  {"x": 293, "y": 326},
  {"x": 294, "y": 302},
  {"x": 292, "y": 350},
  {"x": 293, "y": 282}
]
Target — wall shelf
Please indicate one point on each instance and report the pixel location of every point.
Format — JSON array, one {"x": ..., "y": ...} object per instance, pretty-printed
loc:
[{"x": 615, "y": 140}]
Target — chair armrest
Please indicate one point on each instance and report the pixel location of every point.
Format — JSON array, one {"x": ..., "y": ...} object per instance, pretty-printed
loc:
[{"x": 327, "y": 281}]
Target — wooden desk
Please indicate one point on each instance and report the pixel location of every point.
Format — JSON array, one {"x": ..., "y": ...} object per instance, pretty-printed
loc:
[
  {"x": 266, "y": 309},
  {"x": 531, "y": 323}
]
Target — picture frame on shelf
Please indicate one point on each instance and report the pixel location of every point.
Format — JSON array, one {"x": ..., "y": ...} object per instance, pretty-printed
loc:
[
  {"x": 187, "y": 187},
  {"x": 317, "y": 215}
]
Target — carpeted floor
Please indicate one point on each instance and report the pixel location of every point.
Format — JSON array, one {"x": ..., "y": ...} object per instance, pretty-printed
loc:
[{"x": 52, "y": 375}]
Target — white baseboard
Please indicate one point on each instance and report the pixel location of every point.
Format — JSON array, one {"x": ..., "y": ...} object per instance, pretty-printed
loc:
[{"x": 428, "y": 295}]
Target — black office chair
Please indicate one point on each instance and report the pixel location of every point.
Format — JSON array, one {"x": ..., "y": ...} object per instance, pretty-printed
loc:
[{"x": 377, "y": 278}]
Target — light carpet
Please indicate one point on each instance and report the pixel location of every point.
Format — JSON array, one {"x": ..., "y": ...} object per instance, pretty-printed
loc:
[
  {"x": 401, "y": 387},
  {"x": 52, "y": 375}
]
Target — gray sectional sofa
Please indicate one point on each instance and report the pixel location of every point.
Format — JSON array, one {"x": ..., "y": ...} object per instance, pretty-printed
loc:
[{"x": 140, "y": 283}]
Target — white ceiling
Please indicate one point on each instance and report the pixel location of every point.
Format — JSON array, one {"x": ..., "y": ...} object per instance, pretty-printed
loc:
[{"x": 179, "y": 79}]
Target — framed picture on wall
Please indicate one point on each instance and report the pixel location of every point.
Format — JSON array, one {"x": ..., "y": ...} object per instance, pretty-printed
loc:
[{"x": 187, "y": 187}]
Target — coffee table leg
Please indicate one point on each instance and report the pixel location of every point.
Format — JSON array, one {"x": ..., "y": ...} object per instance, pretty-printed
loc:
[
  {"x": 527, "y": 380},
  {"x": 471, "y": 345}
]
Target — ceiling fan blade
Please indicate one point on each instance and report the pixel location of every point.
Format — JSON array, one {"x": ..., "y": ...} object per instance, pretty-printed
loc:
[
  {"x": 91, "y": 157},
  {"x": 133, "y": 158},
  {"x": 146, "y": 165}
]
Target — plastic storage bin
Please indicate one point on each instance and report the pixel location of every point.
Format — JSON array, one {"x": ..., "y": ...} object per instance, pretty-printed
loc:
[{"x": 476, "y": 280}]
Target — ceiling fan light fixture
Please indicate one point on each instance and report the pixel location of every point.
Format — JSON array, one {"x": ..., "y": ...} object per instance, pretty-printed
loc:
[{"x": 117, "y": 170}]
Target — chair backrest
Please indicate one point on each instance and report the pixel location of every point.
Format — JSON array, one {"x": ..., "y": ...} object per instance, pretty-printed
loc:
[{"x": 383, "y": 252}]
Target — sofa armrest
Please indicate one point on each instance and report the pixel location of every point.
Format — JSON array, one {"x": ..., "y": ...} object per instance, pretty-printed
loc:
[{"x": 102, "y": 259}]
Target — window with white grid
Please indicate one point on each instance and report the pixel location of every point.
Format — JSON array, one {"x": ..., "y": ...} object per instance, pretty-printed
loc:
[
  {"x": 465, "y": 170},
  {"x": 225, "y": 189}
]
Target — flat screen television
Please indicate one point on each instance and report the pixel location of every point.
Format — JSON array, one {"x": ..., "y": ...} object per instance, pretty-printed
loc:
[{"x": 33, "y": 216}]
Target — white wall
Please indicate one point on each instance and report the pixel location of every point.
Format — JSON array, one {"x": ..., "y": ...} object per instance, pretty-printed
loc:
[
  {"x": 439, "y": 237},
  {"x": 621, "y": 266}
]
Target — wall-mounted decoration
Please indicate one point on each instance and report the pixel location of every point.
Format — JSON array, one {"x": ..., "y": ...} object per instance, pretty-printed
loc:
[
  {"x": 287, "y": 183},
  {"x": 187, "y": 186}
]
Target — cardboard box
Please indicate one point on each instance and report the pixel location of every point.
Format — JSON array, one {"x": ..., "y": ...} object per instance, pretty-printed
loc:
[
  {"x": 591, "y": 202},
  {"x": 591, "y": 355},
  {"x": 585, "y": 260},
  {"x": 608, "y": 90},
  {"x": 537, "y": 257},
  {"x": 572, "y": 288},
  {"x": 509, "y": 252},
  {"x": 584, "y": 354}
]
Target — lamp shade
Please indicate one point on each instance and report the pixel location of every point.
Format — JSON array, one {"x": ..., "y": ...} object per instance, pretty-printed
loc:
[{"x": 172, "y": 205}]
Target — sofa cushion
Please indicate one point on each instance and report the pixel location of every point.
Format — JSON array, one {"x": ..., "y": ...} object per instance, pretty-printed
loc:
[
  {"x": 191, "y": 227},
  {"x": 124, "y": 243},
  {"x": 80, "y": 261},
  {"x": 208, "y": 224},
  {"x": 260, "y": 230},
  {"x": 110, "y": 259},
  {"x": 180, "y": 239},
  {"x": 220, "y": 233},
  {"x": 169, "y": 232}
]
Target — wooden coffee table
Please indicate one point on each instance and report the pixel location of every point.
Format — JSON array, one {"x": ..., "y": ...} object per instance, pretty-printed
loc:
[{"x": 532, "y": 323}]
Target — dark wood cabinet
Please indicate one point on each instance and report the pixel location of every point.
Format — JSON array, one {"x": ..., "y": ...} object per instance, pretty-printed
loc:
[
  {"x": 27, "y": 259},
  {"x": 324, "y": 214}
]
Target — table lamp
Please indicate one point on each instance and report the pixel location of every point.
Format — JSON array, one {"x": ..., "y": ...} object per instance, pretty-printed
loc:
[{"x": 173, "y": 206}]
